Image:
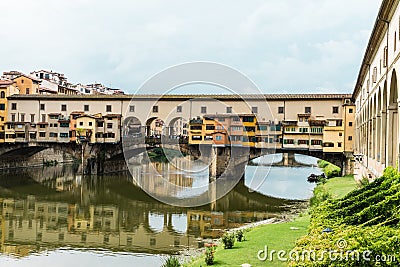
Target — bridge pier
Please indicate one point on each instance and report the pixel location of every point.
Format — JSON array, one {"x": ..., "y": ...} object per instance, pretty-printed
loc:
[{"x": 288, "y": 159}]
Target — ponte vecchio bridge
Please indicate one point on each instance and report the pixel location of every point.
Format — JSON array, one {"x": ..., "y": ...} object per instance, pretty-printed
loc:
[{"x": 313, "y": 124}]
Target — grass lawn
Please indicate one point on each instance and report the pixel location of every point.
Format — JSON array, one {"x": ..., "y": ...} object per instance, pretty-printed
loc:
[
  {"x": 276, "y": 236},
  {"x": 340, "y": 186}
]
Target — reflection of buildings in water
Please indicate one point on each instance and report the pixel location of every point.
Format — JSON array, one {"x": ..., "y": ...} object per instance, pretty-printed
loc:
[
  {"x": 165, "y": 179},
  {"x": 27, "y": 225},
  {"x": 212, "y": 224}
]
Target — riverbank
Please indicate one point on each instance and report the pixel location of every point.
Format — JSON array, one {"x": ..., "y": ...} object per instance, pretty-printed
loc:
[{"x": 276, "y": 236}]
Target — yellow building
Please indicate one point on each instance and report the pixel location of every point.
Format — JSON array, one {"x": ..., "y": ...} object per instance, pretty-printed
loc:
[
  {"x": 333, "y": 136},
  {"x": 349, "y": 126},
  {"x": 249, "y": 122},
  {"x": 196, "y": 131},
  {"x": 86, "y": 128},
  {"x": 7, "y": 88},
  {"x": 27, "y": 85}
]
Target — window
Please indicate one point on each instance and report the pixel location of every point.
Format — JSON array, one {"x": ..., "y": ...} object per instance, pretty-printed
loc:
[
  {"x": 32, "y": 118},
  {"x": 316, "y": 130},
  {"x": 63, "y": 107},
  {"x": 374, "y": 74},
  {"x": 236, "y": 118},
  {"x": 307, "y": 109},
  {"x": 42, "y": 126},
  {"x": 63, "y": 135},
  {"x": 248, "y": 119},
  {"x": 108, "y": 108},
  {"x": 350, "y": 110},
  {"x": 3, "y": 94},
  {"x": 262, "y": 127},
  {"x": 340, "y": 134},
  {"x": 13, "y": 106},
  {"x": 196, "y": 127},
  {"x": 303, "y": 142},
  {"x": 288, "y": 141},
  {"x": 90, "y": 123},
  {"x": 218, "y": 137},
  {"x": 316, "y": 142},
  {"x": 179, "y": 109},
  {"x": 42, "y": 134},
  {"x": 86, "y": 108},
  {"x": 27, "y": 91},
  {"x": 131, "y": 108},
  {"x": 385, "y": 56},
  {"x": 81, "y": 123},
  {"x": 155, "y": 109},
  {"x": 339, "y": 123},
  {"x": 203, "y": 110},
  {"x": 2, "y": 106},
  {"x": 22, "y": 117},
  {"x": 53, "y": 134},
  {"x": 254, "y": 109},
  {"x": 350, "y": 123},
  {"x": 197, "y": 137},
  {"x": 236, "y": 128},
  {"x": 12, "y": 117},
  {"x": 22, "y": 80},
  {"x": 228, "y": 109},
  {"x": 221, "y": 119},
  {"x": 335, "y": 110},
  {"x": 109, "y": 125},
  {"x": 208, "y": 127},
  {"x": 100, "y": 124},
  {"x": 249, "y": 129},
  {"x": 42, "y": 106},
  {"x": 281, "y": 110},
  {"x": 350, "y": 138},
  {"x": 339, "y": 144}
]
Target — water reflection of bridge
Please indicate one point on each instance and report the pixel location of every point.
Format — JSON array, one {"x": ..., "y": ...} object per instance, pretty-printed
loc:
[{"x": 58, "y": 208}]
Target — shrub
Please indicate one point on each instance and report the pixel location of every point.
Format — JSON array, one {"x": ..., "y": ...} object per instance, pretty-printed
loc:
[
  {"x": 367, "y": 219},
  {"x": 228, "y": 239},
  {"x": 322, "y": 163},
  {"x": 209, "y": 259},
  {"x": 319, "y": 196},
  {"x": 171, "y": 261},
  {"x": 240, "y": 235}
]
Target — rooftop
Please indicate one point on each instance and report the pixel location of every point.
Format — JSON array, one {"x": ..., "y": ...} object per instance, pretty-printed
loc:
[{"x": 187, "y": 97}]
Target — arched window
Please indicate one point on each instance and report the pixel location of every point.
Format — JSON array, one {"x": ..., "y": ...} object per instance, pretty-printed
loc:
[{"x": 2, "y": 94}]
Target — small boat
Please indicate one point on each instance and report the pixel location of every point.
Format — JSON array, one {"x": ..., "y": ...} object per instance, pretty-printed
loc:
[{"x": 315, "y": 178}]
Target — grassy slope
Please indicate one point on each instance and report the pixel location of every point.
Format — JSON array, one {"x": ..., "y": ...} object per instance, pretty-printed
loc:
[
  {"x": 338, "y": 187},
  {"x": 275, "y": 236}
]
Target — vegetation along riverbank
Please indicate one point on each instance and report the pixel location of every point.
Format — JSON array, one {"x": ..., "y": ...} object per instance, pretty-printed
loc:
[{"x": 278, "y": 236}]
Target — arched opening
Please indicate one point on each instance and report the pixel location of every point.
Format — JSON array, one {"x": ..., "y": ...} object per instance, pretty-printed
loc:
[
  {"x": 370, "y": 128},
  {"x": 384, "y": 124},
  {"x": 155, "y": 127},
  {"x": 132, "y": 127},
  {"x": 393, "y": 121},
  {"x": 378, "y": 125},
  {"x": 2, "y": 94},
  {"x": 177, "y": 127}
]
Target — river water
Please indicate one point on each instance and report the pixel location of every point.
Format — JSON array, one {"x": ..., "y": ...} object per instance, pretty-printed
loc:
[{"x": 53, "y": 216}]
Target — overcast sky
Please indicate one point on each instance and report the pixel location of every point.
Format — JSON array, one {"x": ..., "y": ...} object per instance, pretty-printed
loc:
[{"x": 284, "y": 46}]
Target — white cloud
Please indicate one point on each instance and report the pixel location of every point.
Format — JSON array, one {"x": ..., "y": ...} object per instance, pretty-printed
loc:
[{"x": 285, "y": 46}]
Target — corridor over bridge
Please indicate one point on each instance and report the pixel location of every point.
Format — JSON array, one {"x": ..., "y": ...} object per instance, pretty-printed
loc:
[{"x": 311, "y": 124}]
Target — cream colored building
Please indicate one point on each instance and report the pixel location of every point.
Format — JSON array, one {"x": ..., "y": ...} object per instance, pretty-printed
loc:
[
  {"x": 7, "y": 88},
  {"x": 147, "y": 114},
  {"x": 376, "y": 96}
]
